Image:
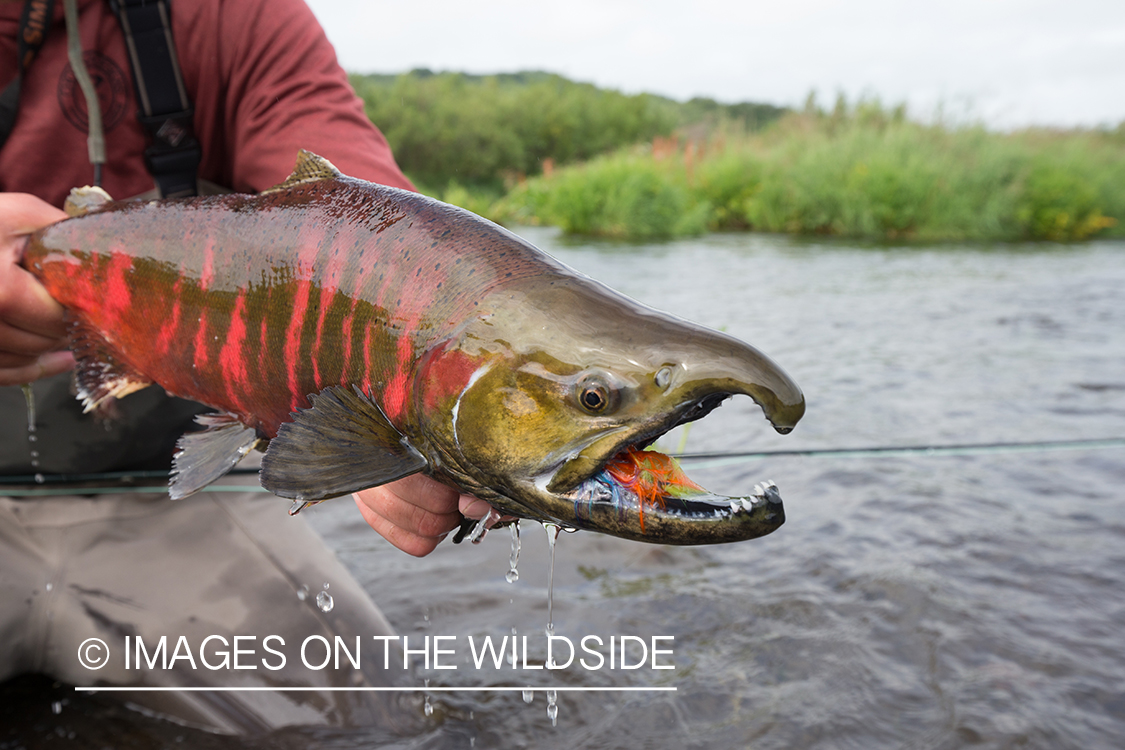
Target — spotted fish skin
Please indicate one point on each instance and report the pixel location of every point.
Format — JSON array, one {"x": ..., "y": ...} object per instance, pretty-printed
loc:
[{"x": 250, "y": 303}]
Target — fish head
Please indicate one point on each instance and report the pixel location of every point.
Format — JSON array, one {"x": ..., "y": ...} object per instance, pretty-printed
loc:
[{"x": 572, "y": 382}]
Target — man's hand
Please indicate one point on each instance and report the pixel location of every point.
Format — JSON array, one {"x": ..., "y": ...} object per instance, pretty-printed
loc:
[
  {"x": 416, "y": 513},
  {"x": 32, "y": 331}
]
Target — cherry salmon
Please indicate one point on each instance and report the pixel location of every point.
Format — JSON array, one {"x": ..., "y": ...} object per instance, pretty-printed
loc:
[{"x": 361, "y": 333}]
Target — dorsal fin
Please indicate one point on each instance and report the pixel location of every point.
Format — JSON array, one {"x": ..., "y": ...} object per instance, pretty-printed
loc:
[{"x": 309, "y": 168}]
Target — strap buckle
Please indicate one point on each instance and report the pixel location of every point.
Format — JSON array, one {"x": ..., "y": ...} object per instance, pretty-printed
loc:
[{"x": 174, "y": 156}]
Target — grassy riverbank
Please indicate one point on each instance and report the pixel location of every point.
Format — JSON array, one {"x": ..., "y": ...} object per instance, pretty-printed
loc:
[
  {"x": 535, "y": 147},
  {"x": 866, "y": 173}
]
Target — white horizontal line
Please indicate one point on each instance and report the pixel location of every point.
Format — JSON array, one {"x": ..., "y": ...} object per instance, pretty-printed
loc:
[{"x": 538, "y": 688}]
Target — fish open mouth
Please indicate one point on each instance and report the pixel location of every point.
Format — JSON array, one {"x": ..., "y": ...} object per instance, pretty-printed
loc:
[{"x": 643, "y": 494}]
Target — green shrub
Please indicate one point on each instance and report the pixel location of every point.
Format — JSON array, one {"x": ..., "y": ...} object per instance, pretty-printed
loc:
[
  {"x": 625, "y": 196},
  {"x": 861, "y": 171}
]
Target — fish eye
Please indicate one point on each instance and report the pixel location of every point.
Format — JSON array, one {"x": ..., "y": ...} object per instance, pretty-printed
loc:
[{"x": 596, "y": 395}]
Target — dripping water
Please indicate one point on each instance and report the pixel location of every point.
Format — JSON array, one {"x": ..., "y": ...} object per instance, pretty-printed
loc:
[
  {"x": 513, "y": 573},
  {"x": 528, "y": 695},
  {"x": 428, "y": 707},
  {"x": 324, "y": 600},
  {"x": 29, "y": 397},
  {"x": 552, "y": 535},
  {"x": 552, "y": 695},
  {"x": 483, "y": 525},
  {"x": 32, "y": 428},
  {"x": 553, "y": 707}
]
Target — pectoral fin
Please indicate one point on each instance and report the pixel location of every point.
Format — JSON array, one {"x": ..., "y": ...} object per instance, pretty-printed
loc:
[
  {"x": 101, "y": 373},
  {"x": 342, "y": 444}
]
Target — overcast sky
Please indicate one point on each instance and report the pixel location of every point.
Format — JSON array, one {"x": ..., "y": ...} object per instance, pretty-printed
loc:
[{"x": 1006, "y": 62}]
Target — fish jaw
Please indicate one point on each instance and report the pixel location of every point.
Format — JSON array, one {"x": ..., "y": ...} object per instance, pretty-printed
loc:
[
  {"x": 669, "y": 509},
  {"x": 521, "y": 440},
  {"x": 696, "y": 517}
]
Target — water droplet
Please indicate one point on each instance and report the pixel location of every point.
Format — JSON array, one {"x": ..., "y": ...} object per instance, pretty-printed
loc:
[
  {"x": 303, "y": 593},
  {"x": 528, "y": 695},
  {"x": 513, "y": 574},
  {"x": 35, "y": 454},
  {"x": 326, "y": 584},
  {"x": 40, "y": 479},
  {"x": 324, "y": 601},
  {"x": 483, "y": 525},
  {"x": 32, "y": 437},
  {"x": 56, "y": 708},
  {"x": 29, "y": 397},
  {"x": 553, "y": 707},
  {"x": 50, "y": 586},
  {"x": 428, "y": 707},
  {"x": 552, "y": 536}
]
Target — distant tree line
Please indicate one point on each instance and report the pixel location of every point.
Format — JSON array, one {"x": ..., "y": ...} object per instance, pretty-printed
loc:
[{"x": 491, "y": 131}]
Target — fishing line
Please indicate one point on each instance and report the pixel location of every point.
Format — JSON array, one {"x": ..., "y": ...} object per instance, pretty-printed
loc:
[
  {"x": 698, "y": 460},
  {"x": 965, "y": 449}
]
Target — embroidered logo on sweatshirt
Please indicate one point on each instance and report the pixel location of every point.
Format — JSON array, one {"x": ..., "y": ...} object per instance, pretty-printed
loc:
[{"x": 109, "y": 82}]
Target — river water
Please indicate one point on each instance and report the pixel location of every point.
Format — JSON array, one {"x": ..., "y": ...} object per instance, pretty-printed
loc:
[{"x": 918, "y": 601}]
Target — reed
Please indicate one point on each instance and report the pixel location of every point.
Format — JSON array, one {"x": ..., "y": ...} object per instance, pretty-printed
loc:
[{"x": 864, "y": 171}]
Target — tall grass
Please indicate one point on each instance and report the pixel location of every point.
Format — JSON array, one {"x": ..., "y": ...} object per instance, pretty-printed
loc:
[
  {"x": 864, "y": 172},
  {"x": 627, "y": 195}
]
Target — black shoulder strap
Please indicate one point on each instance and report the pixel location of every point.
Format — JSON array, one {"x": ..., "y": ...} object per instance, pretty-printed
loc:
[
  {"x": 166, "y": 111},
  {"x": 35, "y": 21}
]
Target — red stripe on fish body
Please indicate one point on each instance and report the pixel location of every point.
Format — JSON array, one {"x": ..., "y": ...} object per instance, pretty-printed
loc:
[{"x": 250, "y": 303}]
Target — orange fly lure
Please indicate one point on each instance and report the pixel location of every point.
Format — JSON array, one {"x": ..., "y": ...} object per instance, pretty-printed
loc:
[{"x": 649, "y": 475}]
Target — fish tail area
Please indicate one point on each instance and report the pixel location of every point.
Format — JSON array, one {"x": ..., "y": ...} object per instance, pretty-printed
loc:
[{"x": 202, "y": 457}]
